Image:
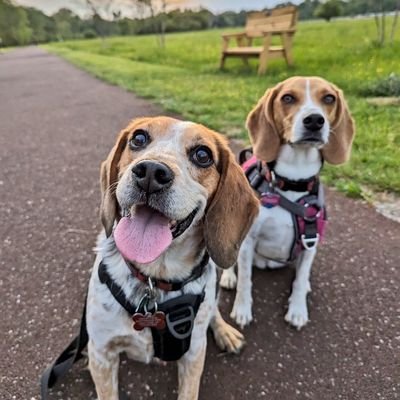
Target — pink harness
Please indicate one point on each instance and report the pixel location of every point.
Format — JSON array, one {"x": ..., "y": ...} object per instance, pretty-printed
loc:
[{"x": 308, "y": 213}]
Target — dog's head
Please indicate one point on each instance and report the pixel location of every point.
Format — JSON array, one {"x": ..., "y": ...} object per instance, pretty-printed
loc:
[
  {"x": 302, "y": 111},
  {"x": 166, "y": 177}
]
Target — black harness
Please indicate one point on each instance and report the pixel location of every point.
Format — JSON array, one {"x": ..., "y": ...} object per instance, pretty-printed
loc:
[
  {"x": 172, "y": 339},
  {"x": 171, "y": 322},
  {"x": 308, "y": 212}
]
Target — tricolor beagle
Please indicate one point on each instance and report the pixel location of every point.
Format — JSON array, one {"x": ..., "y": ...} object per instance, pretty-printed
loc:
[
  {"x": 167, "y": 203},
  {"x": 294, "y": 127}
]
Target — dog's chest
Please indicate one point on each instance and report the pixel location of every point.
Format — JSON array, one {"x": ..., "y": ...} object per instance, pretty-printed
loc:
[
  {"x": 275, "y": 234},
  {"x": 111, "y": 328}
]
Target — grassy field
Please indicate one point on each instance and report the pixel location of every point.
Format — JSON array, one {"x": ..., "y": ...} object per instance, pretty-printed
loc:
[{"x": 184, "y": 78}]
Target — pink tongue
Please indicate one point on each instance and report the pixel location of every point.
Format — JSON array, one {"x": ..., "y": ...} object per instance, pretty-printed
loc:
[{"x": 143, "y": 237}]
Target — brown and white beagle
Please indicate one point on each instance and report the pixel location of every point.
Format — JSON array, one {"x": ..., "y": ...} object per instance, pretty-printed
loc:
[
  {"x": 171, "y": 193},
  {"x": 294, "y": 127}
]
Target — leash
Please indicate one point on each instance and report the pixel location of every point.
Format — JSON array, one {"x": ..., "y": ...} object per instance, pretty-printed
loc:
[
  {"x": 170, "y": 342},
  {"x": 63, "y": 363}
]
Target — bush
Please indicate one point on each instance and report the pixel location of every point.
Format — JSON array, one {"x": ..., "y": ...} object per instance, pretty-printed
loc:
[
  {"x": 89, "y": 34},
  {"x": 385, "y": 87},
  {"x": 328, "y": 10}
]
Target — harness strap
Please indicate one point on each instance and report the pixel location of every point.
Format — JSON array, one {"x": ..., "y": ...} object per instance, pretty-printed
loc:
[
  {"x": 169, "y": 286},
  {"x": 262, "y": 176},
  {"x": 71, "y": 354},
  {"x": 115, "y": 289}
]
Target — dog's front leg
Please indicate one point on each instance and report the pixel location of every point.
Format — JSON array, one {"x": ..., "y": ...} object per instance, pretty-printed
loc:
[
  {"x": 241, "y": 311},
  {"x": 104, "y": 370},
  {"x": 190, "y": 368},
  {"x": 297, "y": 314}
]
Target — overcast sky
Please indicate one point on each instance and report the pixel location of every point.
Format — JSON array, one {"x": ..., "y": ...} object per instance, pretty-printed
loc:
[{"x": 79, "y": 6}]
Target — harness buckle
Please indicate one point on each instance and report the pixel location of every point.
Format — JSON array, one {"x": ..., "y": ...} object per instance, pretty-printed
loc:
[
  {"x": 309, "y": 243},
  {"x": 311, "y": 218},
  {"x": 180, "y": 322}
]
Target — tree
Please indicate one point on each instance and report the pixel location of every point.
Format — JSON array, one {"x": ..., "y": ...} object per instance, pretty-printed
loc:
[
  {"x": 328, "y": 10},
  {"x": 158, "y": 7},
  {"x": 14, "y": 24}
]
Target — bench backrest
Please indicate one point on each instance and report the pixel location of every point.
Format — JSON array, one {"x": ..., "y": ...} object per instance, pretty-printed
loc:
[{"x": 283, "y": 18}]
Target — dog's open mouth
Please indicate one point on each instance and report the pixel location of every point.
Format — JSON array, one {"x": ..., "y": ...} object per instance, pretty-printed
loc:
[
  {"x": 309, "y": 139},
  {"x": 147, "y": 233},
  {"x": 178, "y": 227}
]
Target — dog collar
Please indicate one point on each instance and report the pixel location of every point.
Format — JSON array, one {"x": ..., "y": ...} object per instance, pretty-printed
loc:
[
  {"x": 169, "y": 286},
  {"x": 260, "y": 174}
]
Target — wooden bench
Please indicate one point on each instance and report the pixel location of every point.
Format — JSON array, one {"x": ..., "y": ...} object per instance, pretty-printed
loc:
[{"x": 280, "y": 21}]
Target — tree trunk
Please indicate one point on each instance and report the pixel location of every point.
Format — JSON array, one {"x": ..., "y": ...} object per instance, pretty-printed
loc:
[
  {"x": 378, "y": 27},
  {"x": 394, "y": 24},
  {"x": 383, "y": 29}
]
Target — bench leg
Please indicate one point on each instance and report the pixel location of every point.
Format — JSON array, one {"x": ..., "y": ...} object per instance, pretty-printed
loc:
[
  {"x": 287, "y": 45},
  {"x": 222, "y": 61},
  {"x": 263, "y": 59},
  {"x": 245, "y": 61},
  {"x": 262, "y": 68}
]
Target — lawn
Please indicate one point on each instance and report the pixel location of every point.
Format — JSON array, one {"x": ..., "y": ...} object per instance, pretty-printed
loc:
[{"x": 184, "y": 78}]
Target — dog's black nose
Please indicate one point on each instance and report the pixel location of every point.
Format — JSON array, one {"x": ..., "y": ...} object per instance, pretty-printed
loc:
[
  {"x": 314, "y": 122},
  {"x": 152, "y": 176}
]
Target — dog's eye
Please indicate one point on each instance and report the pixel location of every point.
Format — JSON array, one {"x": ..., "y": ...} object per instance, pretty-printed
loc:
[
  {"x": 139, "y": 139},
  {"x": 202, "y": 156},
  {"x": 328, "y": 99},
  {"x": 288, "y": 99}
]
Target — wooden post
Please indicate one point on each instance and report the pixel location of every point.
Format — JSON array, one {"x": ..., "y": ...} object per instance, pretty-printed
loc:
[
  {"x": 287, "y": 40},
  {"x": 263, "y": 59},
  {"x": 241, "y": 42},
  {"x": 225, "y": 42}
]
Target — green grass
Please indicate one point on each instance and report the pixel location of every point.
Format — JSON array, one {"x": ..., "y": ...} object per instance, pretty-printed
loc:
[{"x": 184, "y": 78}]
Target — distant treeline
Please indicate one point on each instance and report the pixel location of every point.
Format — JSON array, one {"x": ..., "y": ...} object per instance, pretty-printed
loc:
[{"x": 22, "y": 25}]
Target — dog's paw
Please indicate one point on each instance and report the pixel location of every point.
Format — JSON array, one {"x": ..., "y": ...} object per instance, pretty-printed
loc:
[
  {"x": 241, "y": 313},
  {"x": 228, "y": 338},
  {"x": 297, "y": 314},
  {"x": 228, "y": 279}
]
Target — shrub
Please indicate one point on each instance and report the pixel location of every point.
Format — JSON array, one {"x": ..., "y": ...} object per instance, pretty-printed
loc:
[{"x": 388, "y": 86}]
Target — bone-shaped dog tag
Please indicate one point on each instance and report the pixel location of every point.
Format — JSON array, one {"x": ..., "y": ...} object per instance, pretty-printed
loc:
[{"x": 149, "y": 320}]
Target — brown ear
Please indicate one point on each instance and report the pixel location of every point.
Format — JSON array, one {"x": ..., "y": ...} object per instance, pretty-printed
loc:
[
  {"x": 263, "y": 133},
  {"x": 231, "y": 212},
  {"x": 108, "y": 183},
  {"x": 338, "y": 149}
]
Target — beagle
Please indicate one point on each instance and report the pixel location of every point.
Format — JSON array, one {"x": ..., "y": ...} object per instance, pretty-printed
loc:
[
  {"x": 172, "y": 194},
  {"x": 295, "y": 126}
]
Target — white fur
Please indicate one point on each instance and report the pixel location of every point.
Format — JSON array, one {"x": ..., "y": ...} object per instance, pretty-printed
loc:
[{"x": 269, "y": 241}]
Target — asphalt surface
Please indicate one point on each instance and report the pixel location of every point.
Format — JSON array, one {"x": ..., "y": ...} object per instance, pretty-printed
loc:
[{"x": 56, "y": 124}]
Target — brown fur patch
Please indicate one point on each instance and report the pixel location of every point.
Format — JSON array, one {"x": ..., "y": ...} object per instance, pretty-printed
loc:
[{"x": 270, "y": 122}]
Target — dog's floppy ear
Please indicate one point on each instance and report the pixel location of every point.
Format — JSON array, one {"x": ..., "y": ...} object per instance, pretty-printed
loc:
[
  {"x": 108, "y": 182},
  {"x": 263, "y": 133},
  {"x": 338, "y": 149},
  {"x": 231, "y": 211}
]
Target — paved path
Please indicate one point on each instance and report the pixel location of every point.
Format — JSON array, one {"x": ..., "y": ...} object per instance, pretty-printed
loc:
[{"x": 56, "y": 124}]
